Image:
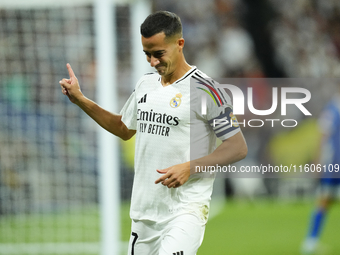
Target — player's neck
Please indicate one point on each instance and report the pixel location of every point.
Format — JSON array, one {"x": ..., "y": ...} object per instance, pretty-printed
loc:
[{"x": 180, "y": 71}]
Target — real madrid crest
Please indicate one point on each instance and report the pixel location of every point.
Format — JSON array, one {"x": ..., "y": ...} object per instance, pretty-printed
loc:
[
  {"x": 176, "y": 101},
  {"x": 234, "y": 121}
]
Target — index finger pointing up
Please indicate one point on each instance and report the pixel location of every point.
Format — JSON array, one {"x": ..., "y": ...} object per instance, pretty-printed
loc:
[{"x": 70, "y": 71}]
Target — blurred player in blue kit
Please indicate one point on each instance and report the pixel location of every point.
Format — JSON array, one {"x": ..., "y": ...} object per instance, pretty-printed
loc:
[
  {"x": 329, "y": 158},
  {"x": 164, "y": 111}
]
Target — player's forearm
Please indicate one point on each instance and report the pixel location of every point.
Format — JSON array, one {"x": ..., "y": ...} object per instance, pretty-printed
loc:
[
  {"x": 230, "y": 151},
  {"x": 107, "y": 120}
]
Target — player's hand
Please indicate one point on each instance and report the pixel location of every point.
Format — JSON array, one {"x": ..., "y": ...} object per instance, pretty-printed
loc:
[
  {"x": 70, "y": 87},
  {"x": 174, "y": 176}
]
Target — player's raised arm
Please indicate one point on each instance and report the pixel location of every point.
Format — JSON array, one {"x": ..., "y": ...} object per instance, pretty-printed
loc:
[{"x": 107, "y": 120}]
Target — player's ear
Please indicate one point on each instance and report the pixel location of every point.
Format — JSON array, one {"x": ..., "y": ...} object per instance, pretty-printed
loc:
[{"x": 180, "y": 42}]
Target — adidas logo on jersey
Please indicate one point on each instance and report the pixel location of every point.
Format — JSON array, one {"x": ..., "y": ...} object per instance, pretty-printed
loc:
[
  {"x": 142, "y": 100},
  {"x": 178, "y": 253}
]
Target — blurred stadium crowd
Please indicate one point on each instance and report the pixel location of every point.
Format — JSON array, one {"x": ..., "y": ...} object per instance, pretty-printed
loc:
[
  {"x": 243, "y": 38},
  {"x": 224, "y": 38}
]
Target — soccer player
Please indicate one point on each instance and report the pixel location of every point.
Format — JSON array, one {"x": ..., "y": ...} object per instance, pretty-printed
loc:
[
  {"x": 170, "y": 201},
  {"x": 330, "y": 182}
]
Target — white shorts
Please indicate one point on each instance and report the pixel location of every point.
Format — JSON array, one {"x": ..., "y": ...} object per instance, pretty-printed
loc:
[{"x": 182, "y": 235}]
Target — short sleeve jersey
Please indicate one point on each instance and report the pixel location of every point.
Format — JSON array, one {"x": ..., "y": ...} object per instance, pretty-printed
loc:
[{"x": 169, "y": 123}]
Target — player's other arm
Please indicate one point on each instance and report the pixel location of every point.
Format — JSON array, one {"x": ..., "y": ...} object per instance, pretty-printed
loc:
[
  {"x": 231, "y": 150},
  {"x": 107, "y": 120}
]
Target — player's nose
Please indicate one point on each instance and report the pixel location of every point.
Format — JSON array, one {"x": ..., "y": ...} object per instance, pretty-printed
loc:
[{"x": 154, "y": 61}]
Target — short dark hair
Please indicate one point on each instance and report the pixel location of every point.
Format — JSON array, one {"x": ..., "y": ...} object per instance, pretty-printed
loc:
[{"x": 161, "y": 21}]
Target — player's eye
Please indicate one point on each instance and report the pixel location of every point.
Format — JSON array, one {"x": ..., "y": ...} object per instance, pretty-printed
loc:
[
  {"x": 158, "y": 54},
  {"x": 147, "y": 54}
]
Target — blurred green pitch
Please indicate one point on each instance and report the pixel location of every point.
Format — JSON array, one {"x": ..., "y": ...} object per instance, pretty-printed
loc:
[
  {"x": 242, "y": 228},
  {"x": 267, "y": 228}
]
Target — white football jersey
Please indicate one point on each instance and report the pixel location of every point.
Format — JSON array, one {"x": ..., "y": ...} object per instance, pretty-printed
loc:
[{"x": 171, "y": 129}]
